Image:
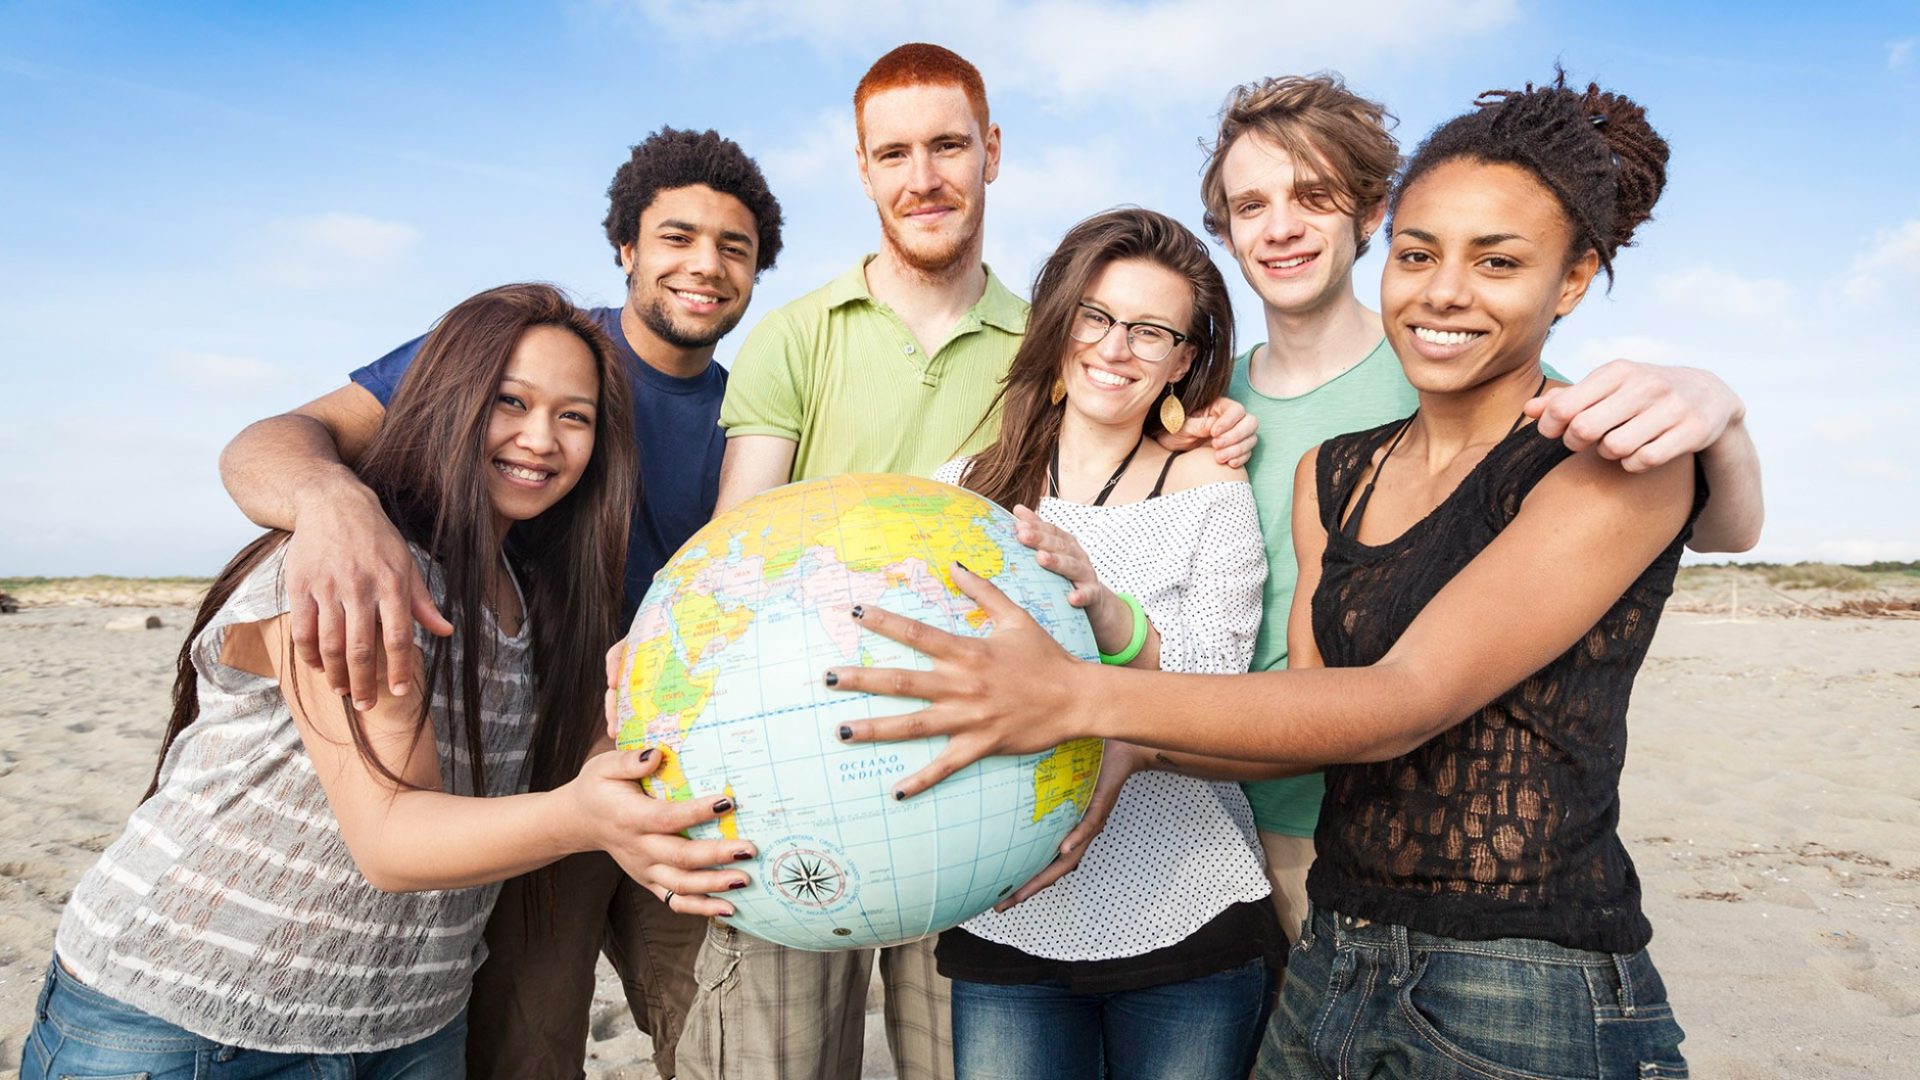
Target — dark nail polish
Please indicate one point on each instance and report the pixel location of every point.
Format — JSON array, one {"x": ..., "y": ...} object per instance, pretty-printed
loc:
[
  {"x": 833, "y": 678},
  {"x": 736, "y": 885},
  {"x": 899, "y": 796},
  {"x": 721, "y": 806},
  {"x": 845, "y": 733},
  {"x": 965, "y": 567},
  {"x": 859, "y": 610},
  {"x": 742, "y": 856},
  {"x": 647, "y": 754}
]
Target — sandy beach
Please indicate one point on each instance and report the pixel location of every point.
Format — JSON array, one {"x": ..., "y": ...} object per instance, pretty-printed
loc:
[{"x": 1771, "y": 803}]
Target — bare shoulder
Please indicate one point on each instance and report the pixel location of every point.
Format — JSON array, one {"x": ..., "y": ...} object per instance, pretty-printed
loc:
[{"x": 1197, "y": 468}]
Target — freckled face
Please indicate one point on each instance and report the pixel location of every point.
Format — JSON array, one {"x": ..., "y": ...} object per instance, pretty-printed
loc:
[
  {"x": 926, "y": 165},
  {"x": 1477, "y": 272}
]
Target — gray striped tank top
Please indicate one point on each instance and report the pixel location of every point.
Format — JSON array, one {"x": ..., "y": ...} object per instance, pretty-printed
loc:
[{"x": 231, "y": 907}]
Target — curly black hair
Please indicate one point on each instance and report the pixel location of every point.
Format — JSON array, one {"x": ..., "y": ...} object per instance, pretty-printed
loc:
[
  {"x": 1593, "y": 149},
  {"x": 671, "y": 158}
]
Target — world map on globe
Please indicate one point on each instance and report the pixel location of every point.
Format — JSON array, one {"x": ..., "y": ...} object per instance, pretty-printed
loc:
[{"x": 726, "y": 659}]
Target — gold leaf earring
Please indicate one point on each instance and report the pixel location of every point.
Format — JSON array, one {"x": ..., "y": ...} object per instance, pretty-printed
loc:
[
  {"x": 1059, "y": 392},
  {"x": 1173, "y": 415}
]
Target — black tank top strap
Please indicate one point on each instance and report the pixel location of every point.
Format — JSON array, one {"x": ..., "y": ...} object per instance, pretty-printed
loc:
[
  {"x": 1165, "y": 468},
  {"x": 1337, "y": 469}
]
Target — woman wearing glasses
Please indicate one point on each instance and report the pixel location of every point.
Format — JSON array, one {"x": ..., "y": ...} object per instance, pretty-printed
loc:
[{"x": 1151, "y": 957}]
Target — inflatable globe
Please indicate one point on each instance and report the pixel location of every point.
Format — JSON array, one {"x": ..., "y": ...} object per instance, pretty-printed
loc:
[{"x": 725, "y": 666}]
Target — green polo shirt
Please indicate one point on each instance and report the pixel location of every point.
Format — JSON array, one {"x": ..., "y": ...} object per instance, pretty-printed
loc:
[{"x": 837, "y": 372}]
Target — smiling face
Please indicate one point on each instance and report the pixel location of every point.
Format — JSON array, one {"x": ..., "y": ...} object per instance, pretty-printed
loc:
[
  {"x": 1478, "y": 271},
  {"x": 1106, "y": 383},
  {"x": 1294, "y": 245},
  {"x": 541, "y": 428},
  {"x": 926, "y": 165},
  {"x": 690, "y": 270}
]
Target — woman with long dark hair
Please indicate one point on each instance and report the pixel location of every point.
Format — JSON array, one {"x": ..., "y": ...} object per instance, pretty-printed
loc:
[
  {"x": 308, "y": 881},
  {"x": 1481, "y": 598},
  {"x": 1150, "y": 958}
]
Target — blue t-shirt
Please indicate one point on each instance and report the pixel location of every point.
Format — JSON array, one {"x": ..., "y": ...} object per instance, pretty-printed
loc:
[{"x": 676, "y": 429}]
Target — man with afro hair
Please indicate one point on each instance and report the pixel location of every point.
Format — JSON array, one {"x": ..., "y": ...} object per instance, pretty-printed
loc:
[{"x": 692, "y": 225}]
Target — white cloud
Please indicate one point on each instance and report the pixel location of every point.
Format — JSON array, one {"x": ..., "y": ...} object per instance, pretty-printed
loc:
[
  {"x": 214, "y": 370},
  {"x": 1583, "y": 356},
  {"x": 1878, "y": 468},
  {"x": 1073, "y": 51},
  {"x": 825, "y": 151},
  {"x": 1711, "y": 290},
  {"x": 1863, "y": 425},
  {"x": 332, "y": 249},
  {"x": 1899, "y": 52},
  {"x": 1895, "y": 253},
  {"x": 1042, "y": 193}
]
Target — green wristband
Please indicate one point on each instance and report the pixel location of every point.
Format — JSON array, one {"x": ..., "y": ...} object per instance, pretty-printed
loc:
[{"x": 1126, "y": 655}]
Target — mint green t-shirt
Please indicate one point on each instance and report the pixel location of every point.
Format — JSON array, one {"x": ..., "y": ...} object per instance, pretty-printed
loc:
[
  {"x": 837, "y": 372},
  {"x": 1365, "y": 395}
]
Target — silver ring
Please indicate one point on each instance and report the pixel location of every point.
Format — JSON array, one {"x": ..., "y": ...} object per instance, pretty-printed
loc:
[{"x": 668, "y": 899}]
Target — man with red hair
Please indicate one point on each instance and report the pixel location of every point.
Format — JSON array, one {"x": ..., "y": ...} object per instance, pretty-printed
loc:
[{"x": 887, "y": 368}]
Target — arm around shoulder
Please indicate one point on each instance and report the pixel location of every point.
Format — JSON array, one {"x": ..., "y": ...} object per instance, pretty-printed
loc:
[
  {"x": 1736, "y": 506},
  {"x": 352, "y": 583},
  {"x": 277, "y": 465}
]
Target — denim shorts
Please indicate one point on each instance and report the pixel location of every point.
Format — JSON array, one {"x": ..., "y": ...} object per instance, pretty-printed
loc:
[
  {"x": 1204, "y": 1028},
  {"x": 79, "y": 1032},
  {"x": 1371, "y": 1000}
]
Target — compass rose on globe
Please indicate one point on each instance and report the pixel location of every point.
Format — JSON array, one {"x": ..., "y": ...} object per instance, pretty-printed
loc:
[{"x": 808, "y": 877}]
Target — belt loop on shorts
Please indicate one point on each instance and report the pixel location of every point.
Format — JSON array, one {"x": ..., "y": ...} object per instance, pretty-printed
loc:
[
  {"x": 46, "y": 990},
  {"x": 1306, "y": 928},
  {"x": 1402, "y": 956},
  {"x": 1626, "y": 985}
]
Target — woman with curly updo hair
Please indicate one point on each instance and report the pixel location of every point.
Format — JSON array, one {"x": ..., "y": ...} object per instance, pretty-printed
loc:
[{"x": 1474, "y": 602}]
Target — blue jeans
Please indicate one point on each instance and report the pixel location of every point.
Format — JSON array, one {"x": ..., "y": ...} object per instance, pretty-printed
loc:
[
  {"x": 1371, "y": 1000},
  {"x": 1200, "y": 1029},
  {"x": 81, "y": 1033}
]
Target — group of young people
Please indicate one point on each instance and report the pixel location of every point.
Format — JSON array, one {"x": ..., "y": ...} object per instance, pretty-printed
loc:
[{"x": 384, "y": 840}]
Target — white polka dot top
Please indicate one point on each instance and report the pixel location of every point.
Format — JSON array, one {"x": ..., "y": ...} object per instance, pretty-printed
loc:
[{"x": 1177, "y": 851}]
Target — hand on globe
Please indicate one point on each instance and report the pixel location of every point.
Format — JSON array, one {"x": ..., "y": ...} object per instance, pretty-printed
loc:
[
  {"x": 1014, "y": 691},
  {"x": 616, "y": 663},
  {"x": 610, "y": 813},
  {"x": 1118, "y": 761},
  {"x": 1055, "y": 549}
]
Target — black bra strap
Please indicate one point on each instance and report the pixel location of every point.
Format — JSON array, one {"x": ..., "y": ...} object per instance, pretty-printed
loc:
[
  {"x": 1350, "y": 528},
  {"x": 1164, "y": 470}
]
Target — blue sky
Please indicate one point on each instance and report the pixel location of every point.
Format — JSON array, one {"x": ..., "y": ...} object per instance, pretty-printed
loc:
[{"x": 214, "y": 212}]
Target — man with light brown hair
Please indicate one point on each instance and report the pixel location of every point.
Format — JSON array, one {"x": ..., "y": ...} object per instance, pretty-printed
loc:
[{"x": 1295, "y": 186}]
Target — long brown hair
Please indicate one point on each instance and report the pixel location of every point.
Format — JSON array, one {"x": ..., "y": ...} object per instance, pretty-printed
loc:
[
  {"x": 1014, "y": 469},
  {"x": 427, "y": 466}
]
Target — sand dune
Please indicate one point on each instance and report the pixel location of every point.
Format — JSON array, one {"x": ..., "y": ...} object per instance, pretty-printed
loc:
[{"x": 1772, "y": 802}]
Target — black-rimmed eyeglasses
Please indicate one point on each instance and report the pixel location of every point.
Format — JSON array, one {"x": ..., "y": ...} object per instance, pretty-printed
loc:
[{"x": 1147, "y": 341}]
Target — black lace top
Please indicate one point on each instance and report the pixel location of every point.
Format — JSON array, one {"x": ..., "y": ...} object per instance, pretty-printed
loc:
[{"x": 1503, "y": 825}]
